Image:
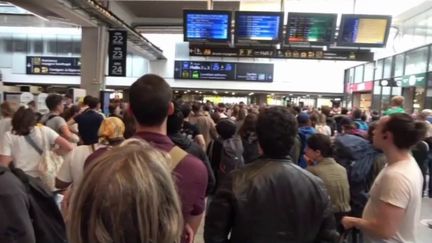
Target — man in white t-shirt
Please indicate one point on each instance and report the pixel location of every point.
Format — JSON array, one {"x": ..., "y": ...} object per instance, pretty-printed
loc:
[{"x": 394, "y": 205}]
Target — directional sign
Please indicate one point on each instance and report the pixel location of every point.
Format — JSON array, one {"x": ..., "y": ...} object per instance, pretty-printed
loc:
[{"x": 53, "y": 65}]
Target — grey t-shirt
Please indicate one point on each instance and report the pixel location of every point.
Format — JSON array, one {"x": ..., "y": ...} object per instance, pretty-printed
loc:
[{"x": 55, "y": 123}]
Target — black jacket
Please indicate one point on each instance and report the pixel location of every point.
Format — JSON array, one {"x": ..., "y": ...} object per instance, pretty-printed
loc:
[
  {"x": 270, "y": 201},
  {"x": 193, "y": 148}
]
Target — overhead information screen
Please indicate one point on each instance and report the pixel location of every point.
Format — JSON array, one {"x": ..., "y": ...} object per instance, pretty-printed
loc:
[
  {"x": 310, "y": 28},
  {"x": 364, "y": 30},
  {"x": 258, "y": 26},
  {"x": 207, "y": 25},
  {"x": 223, "y": 71}
]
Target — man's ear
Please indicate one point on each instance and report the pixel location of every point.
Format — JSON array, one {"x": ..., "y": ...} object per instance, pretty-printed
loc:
[{"x": 170, "y": 109}]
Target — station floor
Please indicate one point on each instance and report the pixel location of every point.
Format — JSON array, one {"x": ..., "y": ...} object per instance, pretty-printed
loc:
[{"x": 424, "y": 233}]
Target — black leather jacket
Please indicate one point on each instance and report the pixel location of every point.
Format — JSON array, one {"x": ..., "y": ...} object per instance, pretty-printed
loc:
[{"x": 270, "y": 201}]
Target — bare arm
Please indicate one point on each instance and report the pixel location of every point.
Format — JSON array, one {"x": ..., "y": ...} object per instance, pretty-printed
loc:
[
  {"x": 194, "y": 222},
  {"x": 199, "y": 139},
  {"x": 383, "y": 226},
  {"x": 71, "y": 122},
  {"x": 68, "y": 135},
  {"x": 5, "y": 160},
  {"x": 64, "y": 146}
]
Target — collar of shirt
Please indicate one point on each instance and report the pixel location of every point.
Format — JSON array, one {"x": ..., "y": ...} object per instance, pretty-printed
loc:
[{"x": 158, "y": 140}]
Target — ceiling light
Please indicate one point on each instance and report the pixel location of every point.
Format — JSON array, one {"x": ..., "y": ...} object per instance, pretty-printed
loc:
[
  {"x": 233, "y": 93},
  {"x": 251, "y": 93},
  {"x": 226, "y": 92}
]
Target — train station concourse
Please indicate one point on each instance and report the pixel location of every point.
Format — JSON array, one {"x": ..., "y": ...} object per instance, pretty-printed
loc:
[{"x": 213, "y": 121}]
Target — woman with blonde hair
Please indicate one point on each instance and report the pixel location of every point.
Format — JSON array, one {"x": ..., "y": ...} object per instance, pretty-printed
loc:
[{"x": 127, "y": 195}]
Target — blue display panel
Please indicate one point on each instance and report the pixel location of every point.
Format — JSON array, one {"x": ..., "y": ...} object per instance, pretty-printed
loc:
[
  {"x": 265, "y": 27},
  {"x": 207, "y": 25},
  {"x": 364, "y": 30},
  {"x": 223, "y": 71}
]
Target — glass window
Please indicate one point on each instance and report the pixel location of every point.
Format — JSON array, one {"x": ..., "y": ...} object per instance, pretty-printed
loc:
[
  {"x": 369, "y": 72},
  {"x": 399, "y": 65},
  {"x": 351, "y": 75},
  {"x": 379, "y": 69},
  {"x": 76, "y": 45},
  {"x": 376, "y": 99},
  {"x": 416, "y": 61},
  {"x": 358, "y": 78},
  {"x": 396, "y": 91},
  {"x": 346, "y": 78},
  {"x": 387, "y": 67},
  {"x": 64, "y": 44},
  {"x": 20, "y": 43}
]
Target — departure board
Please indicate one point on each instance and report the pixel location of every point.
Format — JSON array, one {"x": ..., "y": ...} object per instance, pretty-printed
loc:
[
  {"x": 207, "y": 25},
  {"x": 223, "y": 71},
  {"x": 258, "y": 26},
  {"x": 364, "y": 30},
  {"x": 311, "y": 28}
]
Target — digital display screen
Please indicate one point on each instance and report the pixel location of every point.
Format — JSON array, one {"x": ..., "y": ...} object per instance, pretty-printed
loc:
[
  {"x": 222, "y": 71},
  {"x": 311, "y": 28},
  {"x": 258, "y": 26},
  {"x": 207, "y": 25},
  {"x": 366, "y": 30}
]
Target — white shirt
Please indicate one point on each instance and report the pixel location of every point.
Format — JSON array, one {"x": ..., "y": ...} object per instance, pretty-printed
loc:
[
  {"x": 399, "y": 184},
  {"x": 5, "y": 126},
  {"x": 24, "y": 156},
  {"x": 72, "y": 168}
]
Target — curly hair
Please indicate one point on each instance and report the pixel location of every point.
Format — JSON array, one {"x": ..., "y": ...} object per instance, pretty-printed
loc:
[{"x": 276, "y": 130}]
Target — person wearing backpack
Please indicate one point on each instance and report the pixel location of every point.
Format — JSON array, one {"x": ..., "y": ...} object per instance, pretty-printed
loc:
[
  {"x": 305, "y": 130},
  {"x": 226, "y": 152},
  {"x": 271, "y": 200},
  {"x": 174, "y": 128},
  {"x": 28, "y": 210},
  {"x": 393, "y": 209},
  {"x": 150, "y": 102},
  {"x": 357, "y": 119},
  {"x": 27, "y": 143},
  {"x": 53, "y": 120}
]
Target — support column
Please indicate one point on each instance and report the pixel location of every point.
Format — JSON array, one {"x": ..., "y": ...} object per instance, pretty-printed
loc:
[{"x": 94, "y": 48}]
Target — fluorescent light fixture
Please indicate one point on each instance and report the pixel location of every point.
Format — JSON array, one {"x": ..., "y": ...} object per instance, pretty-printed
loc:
[{"x": 251, "y": 93}]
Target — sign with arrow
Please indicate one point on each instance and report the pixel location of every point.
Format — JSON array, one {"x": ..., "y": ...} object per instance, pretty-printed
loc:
[{"x": 40, "y": 65}]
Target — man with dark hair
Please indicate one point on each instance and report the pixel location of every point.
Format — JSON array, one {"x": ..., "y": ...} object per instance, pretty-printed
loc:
[
  {"x": 260, "y": 202},
  {"x": 89, "y": 121},
  {"x": 54, "y": 102},
  {"x": 393, "y": 208},
  {"x": 150, "y": 103},
  {"x": 204, "y": 123}
]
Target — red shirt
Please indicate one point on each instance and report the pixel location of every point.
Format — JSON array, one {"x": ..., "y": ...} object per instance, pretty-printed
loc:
[{"x": 190, "y": 176}]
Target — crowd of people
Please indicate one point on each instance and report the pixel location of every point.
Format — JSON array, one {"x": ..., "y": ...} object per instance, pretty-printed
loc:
[{"x": 155, "y": 169}]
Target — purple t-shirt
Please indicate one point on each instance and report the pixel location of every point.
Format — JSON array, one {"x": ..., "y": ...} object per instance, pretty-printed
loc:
[{"x": 190, "y": 176}]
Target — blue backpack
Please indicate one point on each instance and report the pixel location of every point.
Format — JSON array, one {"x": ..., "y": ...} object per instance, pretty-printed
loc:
[
  {"x": 357, "y": 155},
  {"x": 362, "y": 125}
]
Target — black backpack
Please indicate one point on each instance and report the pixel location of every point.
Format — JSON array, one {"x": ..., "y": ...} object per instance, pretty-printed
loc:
[
  {"x": 48, "y": 223},
  {"x": 232, "y": 155}
]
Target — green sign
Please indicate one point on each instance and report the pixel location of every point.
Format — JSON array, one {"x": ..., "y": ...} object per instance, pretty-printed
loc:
[{"x": 414, "y": 80}]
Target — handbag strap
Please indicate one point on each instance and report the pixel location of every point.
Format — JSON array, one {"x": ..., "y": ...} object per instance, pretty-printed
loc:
[{"x": 33, "y": 144}]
